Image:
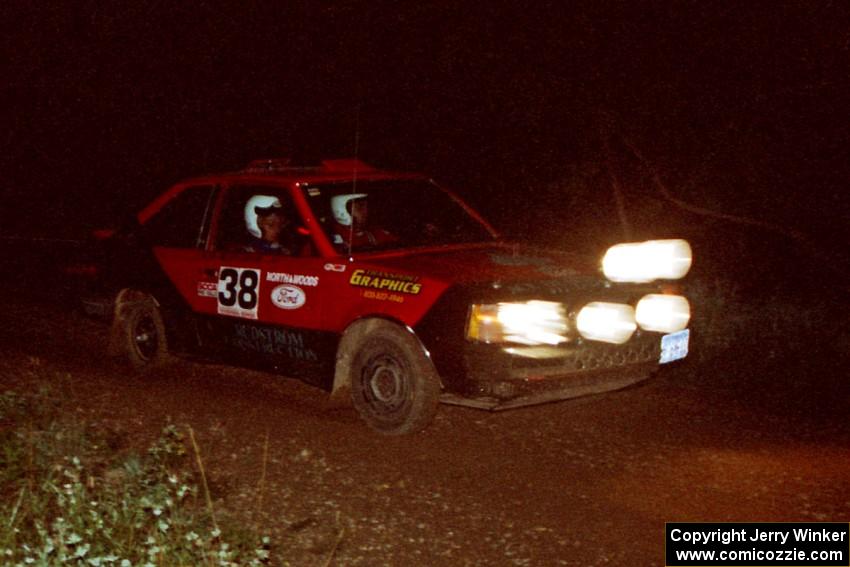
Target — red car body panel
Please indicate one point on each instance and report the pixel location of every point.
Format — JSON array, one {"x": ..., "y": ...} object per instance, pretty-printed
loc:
[{"x": 320, "y": 291}]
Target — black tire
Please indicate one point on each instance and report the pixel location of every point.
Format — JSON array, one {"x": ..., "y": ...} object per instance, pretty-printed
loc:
[
  {"x": 141, "y": 339},
  {"x": 394, "y": 386}
]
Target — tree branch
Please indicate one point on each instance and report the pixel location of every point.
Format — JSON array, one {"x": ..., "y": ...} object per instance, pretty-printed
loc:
[{"x": 798, "y": 236}]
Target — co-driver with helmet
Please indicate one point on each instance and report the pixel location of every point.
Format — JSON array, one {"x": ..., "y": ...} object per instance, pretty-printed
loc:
[{"x": 351, "y": 217}]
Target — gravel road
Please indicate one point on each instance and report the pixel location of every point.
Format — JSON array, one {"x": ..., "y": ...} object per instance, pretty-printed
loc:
[{"x": 583, "y": 482}]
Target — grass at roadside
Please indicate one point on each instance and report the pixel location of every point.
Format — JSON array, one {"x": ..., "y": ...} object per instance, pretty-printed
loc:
[{"x": 71, "y": 495}]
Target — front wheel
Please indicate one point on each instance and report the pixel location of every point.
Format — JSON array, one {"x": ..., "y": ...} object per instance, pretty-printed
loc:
[{"x": 394, "y": 386}]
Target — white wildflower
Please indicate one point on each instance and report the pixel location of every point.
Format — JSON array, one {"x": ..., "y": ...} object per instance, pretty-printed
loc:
[{"x": 82, "y": 550}]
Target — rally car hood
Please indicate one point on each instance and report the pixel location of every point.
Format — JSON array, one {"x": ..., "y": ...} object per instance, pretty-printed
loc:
[{"x": 489, "y": 264}]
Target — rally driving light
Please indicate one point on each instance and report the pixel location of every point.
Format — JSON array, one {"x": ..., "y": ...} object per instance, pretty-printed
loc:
[
  {"x": 606, "y": 322},
  {"x": 663, "y": 313},
  {"x": 641, "y": 262},
  {"x": 527, "y": 322}
]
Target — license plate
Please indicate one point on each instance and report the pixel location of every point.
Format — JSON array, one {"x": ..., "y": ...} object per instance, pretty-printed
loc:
[{"x": 674, "y": 346}]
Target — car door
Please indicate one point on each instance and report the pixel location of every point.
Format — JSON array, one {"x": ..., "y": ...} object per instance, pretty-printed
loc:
[
  {"x": 263, "y": 305},
  {"x": 167, "y": 253}
]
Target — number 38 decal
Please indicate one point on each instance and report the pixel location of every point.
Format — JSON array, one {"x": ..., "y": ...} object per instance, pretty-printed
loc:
[{"x": 238, "y": 291}]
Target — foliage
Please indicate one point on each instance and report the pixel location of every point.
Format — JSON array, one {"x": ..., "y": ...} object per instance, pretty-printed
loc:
[{"x": 67, "y": 498}]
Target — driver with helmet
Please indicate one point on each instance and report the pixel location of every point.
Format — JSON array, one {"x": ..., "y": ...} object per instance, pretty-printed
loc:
[
  {"x": 267, "y": 220},
  {"x": 351, "y": 217}
]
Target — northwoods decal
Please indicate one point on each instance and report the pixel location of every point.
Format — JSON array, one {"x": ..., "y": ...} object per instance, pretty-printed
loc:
[{"x": 294, "y": 279}]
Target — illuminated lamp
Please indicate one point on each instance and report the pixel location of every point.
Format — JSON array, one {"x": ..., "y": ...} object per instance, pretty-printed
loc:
[
  {"x": 606, "y": 322},
  {"x": 663, "y": 313},
  {"x": 641, "y": 262},
  {"x": 527, "y": 322}
]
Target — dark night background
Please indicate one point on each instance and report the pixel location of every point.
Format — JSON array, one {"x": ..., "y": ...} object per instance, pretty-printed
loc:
[
  {"x": 575, "y": 124},
  {"x": 532, "y": 112}
]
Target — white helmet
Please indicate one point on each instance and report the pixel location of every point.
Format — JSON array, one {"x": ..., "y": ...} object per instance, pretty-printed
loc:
[
  {"x": 339, "y": 207},
  {"x": 259, "y": 204}
]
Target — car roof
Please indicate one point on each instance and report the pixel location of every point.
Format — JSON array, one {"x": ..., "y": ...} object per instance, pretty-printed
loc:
[{"x": 285, "y": 170}]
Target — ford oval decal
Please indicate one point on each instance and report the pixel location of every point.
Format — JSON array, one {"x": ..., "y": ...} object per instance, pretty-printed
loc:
[{"x": 288, "y": 296}]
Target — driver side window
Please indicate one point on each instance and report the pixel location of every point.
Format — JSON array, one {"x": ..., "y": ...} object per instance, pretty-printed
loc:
[{"x": 259, "y": 219}]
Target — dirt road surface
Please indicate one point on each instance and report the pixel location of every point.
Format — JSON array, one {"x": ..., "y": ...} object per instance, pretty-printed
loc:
[{"x": 583, "y": 482}]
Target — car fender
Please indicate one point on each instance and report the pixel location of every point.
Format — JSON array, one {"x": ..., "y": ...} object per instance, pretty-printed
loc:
[{"x": 351, "y": 337}]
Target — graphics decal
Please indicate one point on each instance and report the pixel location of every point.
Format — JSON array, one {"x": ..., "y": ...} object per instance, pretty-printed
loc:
[
  {"x": 334, "y": 267},
  {"x": 386, "y": 282},
  {"x": 238, "y": 290},
  {"x": 295, "y": 279},
  {"x": 288, "y": 296}
]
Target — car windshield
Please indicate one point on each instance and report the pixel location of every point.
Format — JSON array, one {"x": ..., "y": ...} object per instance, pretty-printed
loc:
[{"x": 392, "y": 214}]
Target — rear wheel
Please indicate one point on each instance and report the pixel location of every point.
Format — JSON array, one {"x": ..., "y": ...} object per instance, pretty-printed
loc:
[
  {"x": 394, "y": 386},
  {"x": 142, "y": 335}
]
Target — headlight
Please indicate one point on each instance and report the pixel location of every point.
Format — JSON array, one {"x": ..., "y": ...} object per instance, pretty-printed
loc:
[
  {"x": 606, "y": 322},
  {"x": 527, "y": 322},
  {"x": 663, "y": 313},
  {"x": 641, "y": 262}
]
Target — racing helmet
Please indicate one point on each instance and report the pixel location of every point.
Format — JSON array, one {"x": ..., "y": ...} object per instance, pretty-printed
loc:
[
  {"x": 339, "y": 207},
  {"x": 259, "y": 205}
]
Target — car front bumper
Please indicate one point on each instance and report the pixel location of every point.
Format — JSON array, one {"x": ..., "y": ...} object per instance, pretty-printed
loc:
[{"x": 507, "y": 377}]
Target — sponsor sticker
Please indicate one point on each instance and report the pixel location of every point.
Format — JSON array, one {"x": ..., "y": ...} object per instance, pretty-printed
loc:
[
  {"x": 334, "y": 267},
  {"x": 386, "y": 282},
  {"x": 250, "y": 337},
  {"x": 288, "y": 296},
  {"x": 208, "y": 289},
  {"x": 294, "y": 279}
]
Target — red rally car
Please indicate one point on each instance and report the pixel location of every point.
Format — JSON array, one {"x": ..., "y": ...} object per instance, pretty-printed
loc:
[{"x": 386, "y": 290}]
